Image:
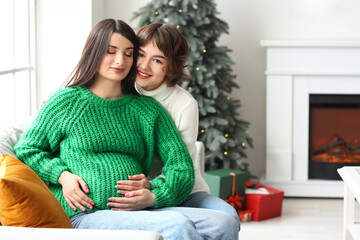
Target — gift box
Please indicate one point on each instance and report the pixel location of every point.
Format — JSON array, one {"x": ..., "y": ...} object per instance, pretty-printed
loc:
[
  {"x": 245, "y": 215},
  {"x": 267, "y": 204},
  {"x": 235, "y": 200},
  {"x": 220, "y": 182}
]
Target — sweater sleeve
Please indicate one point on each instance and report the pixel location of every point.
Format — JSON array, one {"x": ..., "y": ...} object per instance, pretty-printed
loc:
[
  {"x": 39, "y": 146},
  {"x": 178, "y": 167},
  {"x": 188, "y": 126}
]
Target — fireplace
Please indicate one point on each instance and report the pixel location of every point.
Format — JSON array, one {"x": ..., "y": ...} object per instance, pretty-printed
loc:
[
  {"x": 312, "y": 115},
  {"x": 334, "y": 134}
]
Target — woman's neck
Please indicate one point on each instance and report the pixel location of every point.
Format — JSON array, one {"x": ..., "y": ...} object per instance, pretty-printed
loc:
[{"x": 107, "y": 89}]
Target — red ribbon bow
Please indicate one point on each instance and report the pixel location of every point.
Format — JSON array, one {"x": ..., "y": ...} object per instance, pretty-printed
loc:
[{"x": 234, "y": 200}]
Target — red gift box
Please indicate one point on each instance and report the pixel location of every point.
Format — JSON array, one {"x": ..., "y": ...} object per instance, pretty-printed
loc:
[
  {"x": 245, "y": 215},
  {"x": 264, "y": 206}
]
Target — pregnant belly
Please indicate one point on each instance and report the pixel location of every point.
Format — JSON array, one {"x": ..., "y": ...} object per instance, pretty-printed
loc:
[{"x": 101, "y": 177}]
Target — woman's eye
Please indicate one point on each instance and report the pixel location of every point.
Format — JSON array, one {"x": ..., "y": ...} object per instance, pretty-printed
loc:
[
  {"x": 128, "y": 54},
  {"x": 140, "y": 55},
  {"x": 157, "y": 61},
  {"x": 111, "y": 50}
]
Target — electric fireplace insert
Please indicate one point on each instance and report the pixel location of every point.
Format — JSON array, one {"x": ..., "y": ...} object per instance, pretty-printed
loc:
[{"x": 334, "y": 134}]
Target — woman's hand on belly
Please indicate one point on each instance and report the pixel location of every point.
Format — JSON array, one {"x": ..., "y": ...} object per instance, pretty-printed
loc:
[
  {"x": 73, "y": 188},
  {"x": 135, "y": 182},
  {"x": 134, "y": 200}
]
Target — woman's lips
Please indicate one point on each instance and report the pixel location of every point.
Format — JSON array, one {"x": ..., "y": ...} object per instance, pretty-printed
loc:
[
  {"x": 118, "y": 70},
  {"x": 143, "y": 75}
]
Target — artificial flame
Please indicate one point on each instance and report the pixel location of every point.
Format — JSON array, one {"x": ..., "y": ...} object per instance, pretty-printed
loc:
[{"x": 337, "y": 151}]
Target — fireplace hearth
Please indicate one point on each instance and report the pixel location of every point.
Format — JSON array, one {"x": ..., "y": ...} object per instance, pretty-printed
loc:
[{"x": 298, "y": 75}]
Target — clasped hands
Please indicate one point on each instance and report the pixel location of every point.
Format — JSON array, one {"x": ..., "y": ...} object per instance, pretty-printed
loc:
[{"x": 136, "y": 191}]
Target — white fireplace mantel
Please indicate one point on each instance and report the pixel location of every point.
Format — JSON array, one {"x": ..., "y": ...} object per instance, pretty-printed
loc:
[{"x": 294, "y": 70}]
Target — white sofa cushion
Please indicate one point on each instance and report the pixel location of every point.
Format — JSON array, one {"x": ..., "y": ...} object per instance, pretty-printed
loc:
[{"x": 9, "y": 136}]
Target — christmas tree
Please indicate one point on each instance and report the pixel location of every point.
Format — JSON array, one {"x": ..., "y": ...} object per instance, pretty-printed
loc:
[{"x": 224, "y": 135}]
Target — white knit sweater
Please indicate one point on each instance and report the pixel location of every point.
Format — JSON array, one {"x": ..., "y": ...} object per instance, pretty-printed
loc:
[{"x": 183, "y": 109}]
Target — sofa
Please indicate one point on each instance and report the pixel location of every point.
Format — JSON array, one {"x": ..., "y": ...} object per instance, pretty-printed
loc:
[{"x": 8, "y": 138}]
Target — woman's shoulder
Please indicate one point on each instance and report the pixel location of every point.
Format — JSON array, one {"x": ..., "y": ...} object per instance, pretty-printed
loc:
[
  {"x": 146, "y": 101},
  {"x": 147, "y": 106},
  {"x": 182, "y": 95},
  {"x": 181, "y": 99},
  {"x": 65, "y": 93},
  {"x": 62, "y": 98}
]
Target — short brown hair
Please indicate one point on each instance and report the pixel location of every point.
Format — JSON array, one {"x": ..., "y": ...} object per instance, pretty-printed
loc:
[
  {"x": 174, "y": 46},
  {"x": 94, "y": 51}
]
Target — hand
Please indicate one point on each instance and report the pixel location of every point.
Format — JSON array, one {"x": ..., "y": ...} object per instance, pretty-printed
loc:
[
  {"x": 73, "y": 194},
  {"x": 136, "y": 182},
  {"x": 135, "y": 200}
]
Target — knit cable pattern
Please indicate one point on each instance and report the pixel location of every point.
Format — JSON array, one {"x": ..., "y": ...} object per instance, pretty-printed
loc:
[{"x": 104, "y": 141}]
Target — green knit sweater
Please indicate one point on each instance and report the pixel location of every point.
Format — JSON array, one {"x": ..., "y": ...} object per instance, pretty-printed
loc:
[{"x": 104, "y": 141}]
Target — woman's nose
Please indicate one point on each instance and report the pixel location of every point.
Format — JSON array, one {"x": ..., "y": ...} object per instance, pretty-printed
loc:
[
  {"x": 119, "y": 59},
  {"x": 144, "y": 64}
]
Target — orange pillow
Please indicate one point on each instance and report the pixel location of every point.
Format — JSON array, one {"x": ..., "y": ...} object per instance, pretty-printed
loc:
[{"x": 25, "y": 200}]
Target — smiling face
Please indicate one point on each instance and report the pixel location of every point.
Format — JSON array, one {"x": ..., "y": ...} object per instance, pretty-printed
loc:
[
  {"x": 151, "y": 66},
  {"x": 117, "y": 61}
]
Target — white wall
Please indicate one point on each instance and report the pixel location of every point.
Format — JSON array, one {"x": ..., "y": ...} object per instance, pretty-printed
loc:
[
  {"x": 62, "y": 28},
  {"x": 123, "y": 9},
  {"x": 250, "y": 21}
]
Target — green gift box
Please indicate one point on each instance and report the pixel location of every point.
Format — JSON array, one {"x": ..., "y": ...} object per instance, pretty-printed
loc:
[{"x": 220, "y": 182}]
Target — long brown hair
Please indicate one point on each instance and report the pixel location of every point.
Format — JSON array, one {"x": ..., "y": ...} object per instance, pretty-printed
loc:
[
  {"x": 174, "y": 46},
  {"x": 94, "y": 51}
]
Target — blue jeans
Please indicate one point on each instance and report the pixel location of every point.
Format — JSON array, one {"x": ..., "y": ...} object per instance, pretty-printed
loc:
[
  {"x": 171, "y": 222},
  {"x": 205, "y": 200}
]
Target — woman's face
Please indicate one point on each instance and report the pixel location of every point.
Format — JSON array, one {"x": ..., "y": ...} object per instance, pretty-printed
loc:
[
  {"x": 118, "y": 59},
  {"x": 151, "y": 67}
]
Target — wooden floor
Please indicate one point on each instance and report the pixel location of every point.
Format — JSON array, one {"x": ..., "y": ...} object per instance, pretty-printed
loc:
[{"x": 302, "y": 219}]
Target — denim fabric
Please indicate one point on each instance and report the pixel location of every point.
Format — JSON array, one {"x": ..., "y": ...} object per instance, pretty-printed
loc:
[
  {"x": 205, "y": 200},
  {"x": 170, "y": 224},
  {"x": 173, "y": 223},
  {"x": 211, "y": 224}
]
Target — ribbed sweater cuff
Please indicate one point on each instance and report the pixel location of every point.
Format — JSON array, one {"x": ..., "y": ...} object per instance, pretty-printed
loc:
[
  {"x": 55, "y": 174},
  {"x": 160, "y": 199}
]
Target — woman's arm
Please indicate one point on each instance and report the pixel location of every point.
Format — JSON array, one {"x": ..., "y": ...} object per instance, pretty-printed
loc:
[
  {"x": 39, "y": 148},
  {"x": 178, "y": 167},
  {"x": 188, "y": 124}
]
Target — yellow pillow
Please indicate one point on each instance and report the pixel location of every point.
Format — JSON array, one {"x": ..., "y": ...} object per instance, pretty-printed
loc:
[{"x": 25, "y": 200}]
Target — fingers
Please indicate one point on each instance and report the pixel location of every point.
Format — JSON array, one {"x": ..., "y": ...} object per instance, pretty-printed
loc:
[
  {"x": 128, "y": 185},
  {"x": 132, "y": 194},
  {"x": 136, "y": 182},
  {"x": 84, "y": 201},
  {"x": 70, "y": 203},
  {"x": 74, "y": 188},
  {"x": 122, "y": 204},
  {"x": 83, "y": 198},
  {"x": 83, "y": 185},
  {"x": 123, "y": 192},
  {"x": 80, "y": 201},
  {"x": 135, "y": 200},
  {"x": 137, "y": 177},
  {"x": 142, "y": 179}
]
